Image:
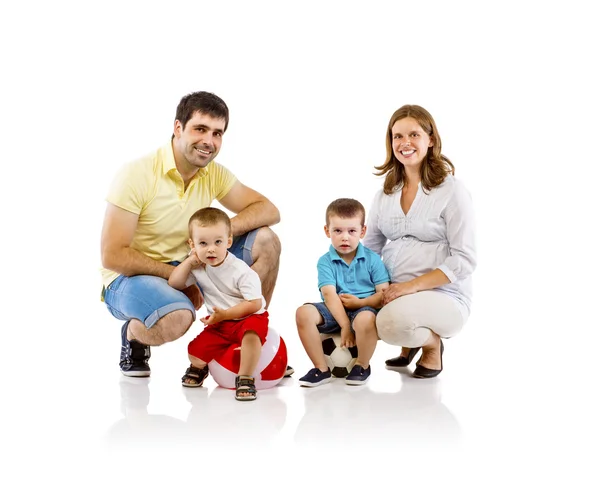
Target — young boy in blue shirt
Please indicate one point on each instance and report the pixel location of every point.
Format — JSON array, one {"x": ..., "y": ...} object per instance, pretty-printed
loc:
[{"x": 351, "y": 280}]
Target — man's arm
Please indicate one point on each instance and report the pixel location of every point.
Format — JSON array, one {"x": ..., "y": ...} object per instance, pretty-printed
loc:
[
  {"x": 253, "y": 209},
  {"x": 117, "y": 234}
]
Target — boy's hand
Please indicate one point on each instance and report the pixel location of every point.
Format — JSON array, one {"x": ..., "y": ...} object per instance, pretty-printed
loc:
[
  {"x": 347, "y": 338},
  {"x": 195, "y": 261},
  {"x": 217, "y": 316},
  {"x": 350, "y": 302}
]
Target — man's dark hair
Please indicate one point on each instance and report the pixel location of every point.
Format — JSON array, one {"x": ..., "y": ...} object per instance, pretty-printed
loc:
[{"x": 203, "y": 102}]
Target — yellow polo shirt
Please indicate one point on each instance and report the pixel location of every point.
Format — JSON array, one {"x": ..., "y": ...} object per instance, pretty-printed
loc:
[{"x": 152, "y": 188}]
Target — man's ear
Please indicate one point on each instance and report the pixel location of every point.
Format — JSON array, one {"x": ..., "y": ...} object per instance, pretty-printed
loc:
[{"x": 177, "y": 128}]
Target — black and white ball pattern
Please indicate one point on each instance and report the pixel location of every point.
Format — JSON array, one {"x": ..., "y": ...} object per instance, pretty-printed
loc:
[{"x": 339, "y": 360}]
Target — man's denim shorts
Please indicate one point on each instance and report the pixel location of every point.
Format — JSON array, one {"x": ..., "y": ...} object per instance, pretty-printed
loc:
[
  {"x": 330, "y": 325},
  {"x": 149, "y": 298}
]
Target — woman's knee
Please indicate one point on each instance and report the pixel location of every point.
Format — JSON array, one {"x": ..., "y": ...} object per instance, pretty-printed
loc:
[{"x": 400, "y": 330}]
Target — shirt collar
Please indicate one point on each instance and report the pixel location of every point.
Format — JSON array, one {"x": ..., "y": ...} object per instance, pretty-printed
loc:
[
  {"x": 360, "y": 252},
  {"x": 168, "y": 161}
]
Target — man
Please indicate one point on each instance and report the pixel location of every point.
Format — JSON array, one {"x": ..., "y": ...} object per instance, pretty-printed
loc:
[{"x": 145, "y": 230}]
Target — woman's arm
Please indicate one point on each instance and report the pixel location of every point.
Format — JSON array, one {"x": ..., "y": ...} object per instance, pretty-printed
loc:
[
  {"x": 460, "y": 232},
  {"x": 431, "y": 280},
  {"x": 374, "y": 239}
]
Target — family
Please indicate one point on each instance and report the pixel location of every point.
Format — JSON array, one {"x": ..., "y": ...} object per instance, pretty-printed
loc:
[{"x": 402, "y": 274}]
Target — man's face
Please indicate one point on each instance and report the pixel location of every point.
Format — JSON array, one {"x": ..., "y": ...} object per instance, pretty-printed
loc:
[{"x": 200, "y": 141}]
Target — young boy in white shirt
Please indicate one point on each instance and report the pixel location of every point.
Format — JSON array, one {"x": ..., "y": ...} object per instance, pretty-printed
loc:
[{"x": 233, "y": 298}]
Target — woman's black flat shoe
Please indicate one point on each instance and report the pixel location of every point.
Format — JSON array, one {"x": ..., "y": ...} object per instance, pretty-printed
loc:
[
  {"x": 425, "y": 373},
  {"x": 399, "y": 362}
]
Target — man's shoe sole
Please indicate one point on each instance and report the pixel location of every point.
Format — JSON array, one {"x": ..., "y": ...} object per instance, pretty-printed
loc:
[{"x": 136, "y": 373}]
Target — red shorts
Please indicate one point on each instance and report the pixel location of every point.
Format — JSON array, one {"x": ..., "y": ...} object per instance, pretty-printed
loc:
[{"x": 215, "y": 339}]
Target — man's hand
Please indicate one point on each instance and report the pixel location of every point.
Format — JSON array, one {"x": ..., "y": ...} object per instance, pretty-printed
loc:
[
  {"x": 347, "y": 338},
  {"x": 397, "y": 290},
  {"x": 350, "y": 302},
  {"x": 217, "y": 316},
  {"x": 194, "y": 294}
]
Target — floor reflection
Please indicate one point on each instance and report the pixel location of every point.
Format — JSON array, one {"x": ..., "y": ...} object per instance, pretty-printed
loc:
[
  {"x": 215, "y": 419},
  {"x": 337, "y": 414}
]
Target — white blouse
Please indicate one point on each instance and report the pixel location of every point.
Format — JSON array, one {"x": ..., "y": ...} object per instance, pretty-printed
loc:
[{"x": 437, "y": 233}]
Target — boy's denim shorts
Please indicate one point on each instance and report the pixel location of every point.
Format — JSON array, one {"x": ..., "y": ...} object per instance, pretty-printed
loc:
[
  {"x": 330, "y": 325},
  {"x": 149, "y": 298}
]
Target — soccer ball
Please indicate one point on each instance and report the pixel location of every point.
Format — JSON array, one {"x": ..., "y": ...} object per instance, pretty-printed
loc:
[
  {"x": 339, "y": 360},
  {"x": 269, "y": 371}
]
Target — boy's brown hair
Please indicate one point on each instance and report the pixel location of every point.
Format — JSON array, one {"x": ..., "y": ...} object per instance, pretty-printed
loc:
[
  {"x": 209, "y": 216},
  {"x": 345, "y": 208}
]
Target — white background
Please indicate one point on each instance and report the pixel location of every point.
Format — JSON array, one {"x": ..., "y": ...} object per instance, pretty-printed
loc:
[{"x": 513, "y": 87}]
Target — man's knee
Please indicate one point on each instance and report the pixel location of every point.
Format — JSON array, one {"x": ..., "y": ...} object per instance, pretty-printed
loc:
[
  {"x": 266, "y": 244},
  {"x": 174, "y": 325}
]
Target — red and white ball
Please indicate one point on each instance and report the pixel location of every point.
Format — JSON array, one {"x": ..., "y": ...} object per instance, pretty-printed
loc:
[{"x": 269, "y": 371}]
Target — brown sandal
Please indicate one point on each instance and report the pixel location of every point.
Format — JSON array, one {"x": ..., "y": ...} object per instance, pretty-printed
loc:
[
  {"x": 245, "y": 384},
  {"x": 194, "y": 374}
]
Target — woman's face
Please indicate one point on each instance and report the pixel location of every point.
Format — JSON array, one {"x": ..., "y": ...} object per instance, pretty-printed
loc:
[{"x": 410, "y": 142}]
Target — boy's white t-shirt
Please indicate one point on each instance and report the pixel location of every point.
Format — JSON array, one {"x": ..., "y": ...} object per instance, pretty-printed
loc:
[{"x": 228, "y": 284}]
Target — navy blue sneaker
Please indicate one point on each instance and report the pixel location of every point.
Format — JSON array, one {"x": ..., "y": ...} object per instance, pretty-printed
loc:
[
  {"x": 134, "y": 356},
  {"x": 315, "y": 377},
  {"x": 358, "y": 376},
  {"x": 288, "y": 371}
]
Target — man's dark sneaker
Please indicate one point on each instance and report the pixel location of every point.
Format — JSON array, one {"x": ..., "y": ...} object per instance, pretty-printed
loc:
[
  {"x": 315, "y": 377},
  {"x": 288, "y": 371},
  {"x": 134, "y": 356},
  {"x": 358, "y": 376}
]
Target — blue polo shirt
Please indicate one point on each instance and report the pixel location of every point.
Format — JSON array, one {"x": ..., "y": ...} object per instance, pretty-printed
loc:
[{"x": 359, "y": 278}]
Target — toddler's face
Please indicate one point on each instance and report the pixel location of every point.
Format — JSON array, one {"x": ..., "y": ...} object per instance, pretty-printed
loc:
[
  {"x": 345, "y": 233},
  {"x": 210, "y": 243}
]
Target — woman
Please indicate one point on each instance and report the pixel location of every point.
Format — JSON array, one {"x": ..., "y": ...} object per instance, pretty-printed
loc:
[{"x": 422, "y": 224}]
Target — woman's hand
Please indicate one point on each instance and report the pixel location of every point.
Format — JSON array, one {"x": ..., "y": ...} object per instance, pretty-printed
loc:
[{"x": 397, "y": 290}]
